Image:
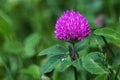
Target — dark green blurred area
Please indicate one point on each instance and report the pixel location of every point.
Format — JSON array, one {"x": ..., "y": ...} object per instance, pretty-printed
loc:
[{"x": 27, "y": 27}]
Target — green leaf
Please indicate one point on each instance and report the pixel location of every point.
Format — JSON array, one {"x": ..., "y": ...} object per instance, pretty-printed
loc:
[
  {"x": 82, "y": 44},
  {"x": 15, "y": 47},
  {"x": 30, "y": 44},
  {"x": 52, "y": 62},
  {"x": 108, "y": 32},
  {"x": 5, "y": 25},
  {"x": 77, "y": 63},
  {"x": 91, "y": 66},
  {"x": 32, "y": 40},
  {"x": 95, "y": 41},
  {"x": 64, "y": 64},
  {"x": 95, "y": 55},
  {"x": 101, "y": 77},
  {"x": 32, "y": 70},
  {"x": 116, "y": 60},
  {"x": 56, "y": 49}
]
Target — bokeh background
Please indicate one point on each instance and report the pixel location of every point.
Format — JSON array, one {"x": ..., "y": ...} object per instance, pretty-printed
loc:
[{"x": 27, "y": 27}]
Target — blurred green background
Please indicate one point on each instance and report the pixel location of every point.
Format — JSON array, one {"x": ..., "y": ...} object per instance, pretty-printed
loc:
[{"x": 27, "y": 27}]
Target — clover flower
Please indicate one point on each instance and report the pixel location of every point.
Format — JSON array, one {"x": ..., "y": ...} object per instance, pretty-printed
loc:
[
  {"x": 71, "y": 26},
  {"x": 101, "y": 20}
]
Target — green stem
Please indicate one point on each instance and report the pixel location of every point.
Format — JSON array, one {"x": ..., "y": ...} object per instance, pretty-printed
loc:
[
  {"x": 108, "y": 45},
  {"x": 75, "y": 4},
  {"x": 111, "y": 10},
  {"x": 75, "y": 73},
  {"x": 106, "y": 57},
  {"x": 74, "y": 68},
  {"x": 7, "y": 69},
  {"x": 108, "y": 77},
  {"x": 51, "y": 78},
  {"x": 118, "y": 70},
  {"x": 112, "y": 55}
]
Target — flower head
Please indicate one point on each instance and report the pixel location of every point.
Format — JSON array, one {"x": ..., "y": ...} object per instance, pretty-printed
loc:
[
  {"x": 100, "y": 20},
  {"x": 71, "y": 26}
]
